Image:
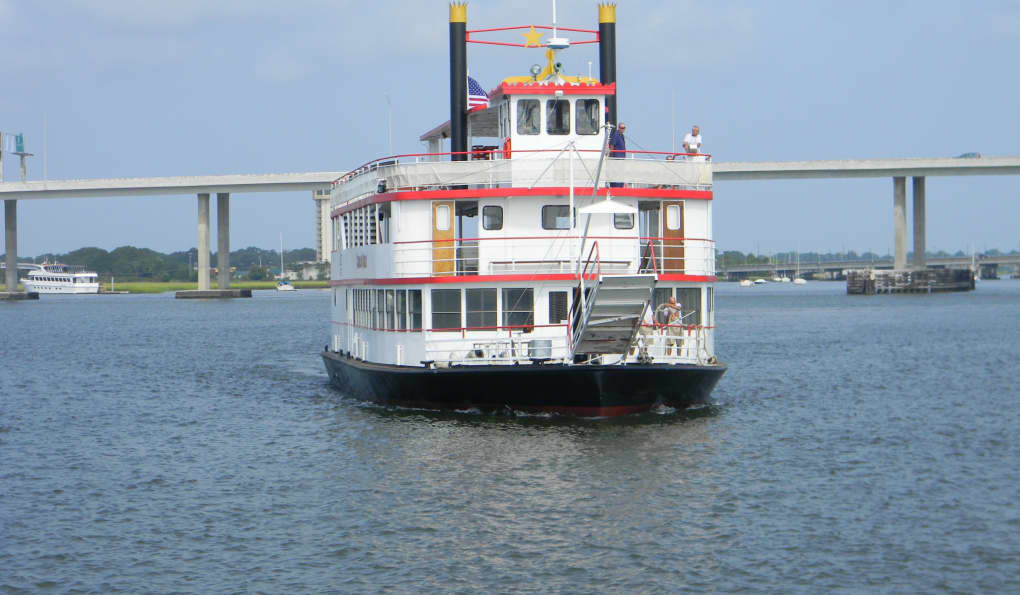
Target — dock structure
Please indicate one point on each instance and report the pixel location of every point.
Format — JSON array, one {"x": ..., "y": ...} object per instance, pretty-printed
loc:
[{"x": 872, "y": 282}]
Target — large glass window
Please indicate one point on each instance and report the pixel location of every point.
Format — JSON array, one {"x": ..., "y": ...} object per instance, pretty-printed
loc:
[
  {"x": 519, "y": 308},
  {"x": 528, "y": 114},
  {"x": 587, "y": 116},
  {"x": 492, "y": 217},
  {"x": 556, "y": 217},
  {"x": 414, "y": 308},
  {"x": 401, "y": 309},
  {"x": 391, "y": 306},
  {"x": 445, "y": 309},
  {"x": 481, "y": 307},
  {"x": 557, "y": 116},
  {"x": 557, "y": 307},
  {"x": 689, "y": 299},
  {"x": 379, "y": 310}
]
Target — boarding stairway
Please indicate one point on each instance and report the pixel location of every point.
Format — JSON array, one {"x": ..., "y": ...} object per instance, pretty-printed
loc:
[{"x": 607, "y": 313}]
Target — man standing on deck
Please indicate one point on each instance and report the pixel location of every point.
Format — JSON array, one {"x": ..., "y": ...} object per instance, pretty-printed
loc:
[
  {"x": 692, "y": 143},
  {"x": 618, "y": 148}
]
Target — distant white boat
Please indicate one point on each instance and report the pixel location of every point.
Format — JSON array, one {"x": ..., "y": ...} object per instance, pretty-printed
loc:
[
  {"x": 283, "y": 284},
  {"x": 746, "y": 283},
  {"x": 799, "y": 281},
  {"x": 59, "y": 278},
  {"x": 760, "y": 281},
  {"x": 784, "y": 279}
]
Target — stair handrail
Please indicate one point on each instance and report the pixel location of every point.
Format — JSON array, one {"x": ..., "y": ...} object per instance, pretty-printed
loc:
[{"x": 579, "y": 310}]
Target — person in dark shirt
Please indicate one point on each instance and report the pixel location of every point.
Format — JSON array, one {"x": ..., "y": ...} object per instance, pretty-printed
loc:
[
  {"x": 618, "y": 143},
  {"x": 618, "y": 148}
]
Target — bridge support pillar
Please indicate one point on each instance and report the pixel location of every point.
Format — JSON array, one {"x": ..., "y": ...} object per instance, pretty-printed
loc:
[
  {"x": 900, "y": 223},
  {"x": 11, "y": 243},
  {"x": 919, "y": 239},
  {"x": 203, "y": 242},
  {"x": 223, "y": 239}
]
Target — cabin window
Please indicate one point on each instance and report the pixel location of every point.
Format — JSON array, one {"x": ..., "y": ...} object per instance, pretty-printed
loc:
[
  {"x": 391, "y": 306},
  {"x": 379, "y": 313},
  {"x": 660, "y": 297},
  {"x": 672, "y": 216},
  {"x": 587, "y": 121},
  {"x": 556, "y": 217},
  {"x": 401, "y": 309},
  {"x": 528, "y": 116},
  {"x": 443, "y": 217},
  {"x": 557, "y": 116},
  {"x": 519, "y": 308},
  {"x": 709, "y": 305},
  {"x": 557, "y": 307},
  {"x": 689, "y": 299},
  {"x": 445, "y": 309},
  {"x": 492, "y": 217},
  {"x": 623, "y": 220},
  {"x": 414, "y": 309},
  {"x": 481, "y": 307}
]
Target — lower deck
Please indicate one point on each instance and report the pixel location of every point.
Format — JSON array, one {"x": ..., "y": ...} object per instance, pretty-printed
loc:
[{"x": 442, "y": 325}]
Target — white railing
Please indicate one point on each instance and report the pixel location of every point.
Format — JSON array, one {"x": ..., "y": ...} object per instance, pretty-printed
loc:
[
  {"x": 501, "y": 345},
  {"x": 666, "y": 343},
  {"x": 550, "y": 168},
  {"x": 662, "y": 344},
  {"x": 533, "y": 255}
]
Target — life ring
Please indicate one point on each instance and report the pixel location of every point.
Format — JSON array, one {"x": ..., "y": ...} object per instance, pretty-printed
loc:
[{"x": 506, "y": 148}]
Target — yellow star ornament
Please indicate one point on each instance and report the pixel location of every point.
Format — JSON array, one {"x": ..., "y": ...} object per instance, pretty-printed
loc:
[{"x": 533, "y": 38}]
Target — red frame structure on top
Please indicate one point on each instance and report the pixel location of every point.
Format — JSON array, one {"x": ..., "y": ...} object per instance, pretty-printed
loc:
[{"x": 467, "y": 35}]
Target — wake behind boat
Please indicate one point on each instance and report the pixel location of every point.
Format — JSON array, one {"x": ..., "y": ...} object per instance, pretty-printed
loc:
[{"x": 529, "y": 272}]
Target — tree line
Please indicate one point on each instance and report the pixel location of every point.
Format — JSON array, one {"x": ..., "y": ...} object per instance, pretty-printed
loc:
[{"x": 129, "y": 263}]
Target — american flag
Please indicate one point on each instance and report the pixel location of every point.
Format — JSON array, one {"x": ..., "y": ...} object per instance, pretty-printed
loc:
[{"x": 476, "y": 95}]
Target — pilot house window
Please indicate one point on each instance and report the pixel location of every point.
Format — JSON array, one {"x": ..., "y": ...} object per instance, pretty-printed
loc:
[
  {"x": 557, "y": 116},
  {"x": 528, "y": 116},
  {"x": 587, "y": 116}
]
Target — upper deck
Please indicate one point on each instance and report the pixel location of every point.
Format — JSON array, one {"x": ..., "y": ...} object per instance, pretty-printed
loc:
[{"x": 642, "y": 174}]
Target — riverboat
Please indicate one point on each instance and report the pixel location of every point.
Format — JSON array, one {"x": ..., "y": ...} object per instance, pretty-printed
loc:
[
  {"x": 524, "y": 270},
  {"x": 59, "y": 278}
]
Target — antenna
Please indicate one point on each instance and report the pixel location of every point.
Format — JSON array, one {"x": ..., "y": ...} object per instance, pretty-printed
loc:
[
  {"x": 555, "y": 42},
  {"x": 389, "y": 123}
]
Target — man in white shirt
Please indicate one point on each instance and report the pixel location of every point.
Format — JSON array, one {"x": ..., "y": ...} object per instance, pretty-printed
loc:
[{"x": 692, "y": 142}]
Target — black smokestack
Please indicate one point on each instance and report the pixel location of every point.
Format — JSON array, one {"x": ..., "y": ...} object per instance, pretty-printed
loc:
[
  {"x": 458, "y": 80},
  {"x": 607, "y": 52}
]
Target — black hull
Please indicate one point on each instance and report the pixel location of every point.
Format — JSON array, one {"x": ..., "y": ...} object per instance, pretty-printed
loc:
[{"x": 595, "y": 391}]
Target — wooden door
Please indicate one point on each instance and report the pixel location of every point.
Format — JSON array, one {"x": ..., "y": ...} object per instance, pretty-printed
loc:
[
  {"x": 442, "y": 238},
  {"x": 673, "y": 236}
]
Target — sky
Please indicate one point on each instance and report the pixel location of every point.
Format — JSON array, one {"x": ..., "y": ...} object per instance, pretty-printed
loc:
[{"x": 121, "y": 88}]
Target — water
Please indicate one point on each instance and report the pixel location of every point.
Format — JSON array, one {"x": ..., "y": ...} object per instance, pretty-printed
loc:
[{"x": 856, "y": 444}]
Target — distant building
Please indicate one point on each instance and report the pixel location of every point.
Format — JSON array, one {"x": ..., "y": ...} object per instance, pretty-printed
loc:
[
  {"x": 323, "y": 226},
  {"x": 306, "y": 271}
]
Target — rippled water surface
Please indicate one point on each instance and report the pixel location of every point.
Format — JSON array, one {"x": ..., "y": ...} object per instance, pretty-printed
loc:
[{"x": 856, "y": 444}]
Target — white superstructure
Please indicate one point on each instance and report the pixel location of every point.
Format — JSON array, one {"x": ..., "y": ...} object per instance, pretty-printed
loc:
[{"x": 59, "y": 278}]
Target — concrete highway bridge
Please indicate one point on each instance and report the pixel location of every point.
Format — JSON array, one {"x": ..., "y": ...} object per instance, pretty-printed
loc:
[
  {"x": 201, "y": 186},
  {"x": 223, "y": 186}
]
